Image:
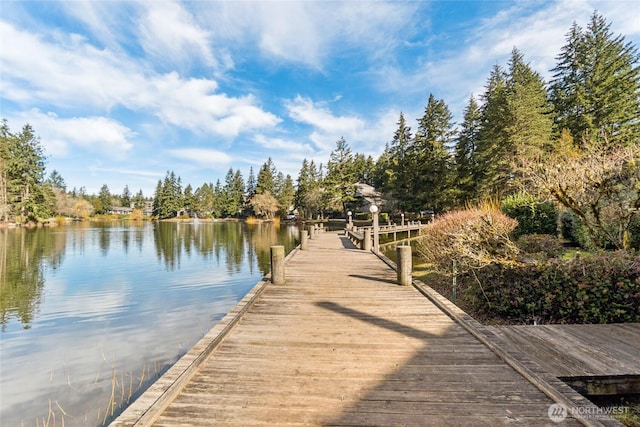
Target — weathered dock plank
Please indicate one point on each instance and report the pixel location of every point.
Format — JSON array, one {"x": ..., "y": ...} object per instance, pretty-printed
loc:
[
  {"x": 341, "y": 344},
  {"x": 578, "y": 350}
]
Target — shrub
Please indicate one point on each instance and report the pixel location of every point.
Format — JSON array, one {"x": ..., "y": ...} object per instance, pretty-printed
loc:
[
  {"x": 549, "y": 246},
  {"x": 572, "y": 229},
  {"x": 136, "y": 215},
  {"x": 604, "y": 288},
  {"x": 472, "y": 237},
  {"x": 534, "y": 216}
]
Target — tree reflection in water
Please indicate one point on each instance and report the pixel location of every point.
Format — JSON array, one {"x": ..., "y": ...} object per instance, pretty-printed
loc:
[{"x": 89, "y": 305}]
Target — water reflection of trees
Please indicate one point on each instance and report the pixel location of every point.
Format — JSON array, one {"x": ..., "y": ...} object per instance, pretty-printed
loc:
[
  {"x": 24, "y": 256},
  {"x": 232, "y": 244}
]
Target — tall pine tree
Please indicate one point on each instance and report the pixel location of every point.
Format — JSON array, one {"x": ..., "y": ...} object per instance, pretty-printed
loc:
[
  {"x": 429, "y": 158},
  {"x": 340, "y": 182},
  {"x": 400, "y": 179},
  {"x": 465, "y": 186},
  {"x": 596, "y": 86},
  {"x": 493, "y": 168}
]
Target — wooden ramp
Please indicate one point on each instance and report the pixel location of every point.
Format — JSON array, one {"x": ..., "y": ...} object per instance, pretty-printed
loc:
[{"x": 340, "y": 344}]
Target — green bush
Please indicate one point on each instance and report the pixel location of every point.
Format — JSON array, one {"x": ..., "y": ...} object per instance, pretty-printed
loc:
[
  {"x": 572, "y": 229},
  {"x": 534, "y": 216},
  {"x": 603, "y": 288}
]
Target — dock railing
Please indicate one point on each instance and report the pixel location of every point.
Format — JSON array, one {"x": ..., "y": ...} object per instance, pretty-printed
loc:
[{"x": 362, "y": 236}]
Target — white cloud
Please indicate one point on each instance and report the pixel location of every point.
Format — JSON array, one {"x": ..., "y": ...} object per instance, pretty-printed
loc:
[
  {"x": 93, "y": 134},
  {"x": 169, "y": 33},
  {"x": 311, "y": 33},
  {"x": 203, "y": 157},
  {"x": 327, "y": 127},
  {"x": 287, "y": 145},
  {"x": 150, "y": 174},
  {"x": 73, "y": 74},
  {"x": 304, "y": 110},
  {"x": 194, "y": 104},
  {"x": 67, "y": 72},
  {"x": 109, "y": 23}
]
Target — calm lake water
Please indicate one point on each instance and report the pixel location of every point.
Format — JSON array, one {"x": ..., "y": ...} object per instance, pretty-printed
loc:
[{"x": 92, "y": 313}]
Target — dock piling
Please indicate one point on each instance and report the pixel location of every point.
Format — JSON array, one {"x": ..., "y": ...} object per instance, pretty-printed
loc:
[
  {"x": 403, "y": 254},
  {"x": 366, "y": 242},
  {"x": 277, "y": 265}
]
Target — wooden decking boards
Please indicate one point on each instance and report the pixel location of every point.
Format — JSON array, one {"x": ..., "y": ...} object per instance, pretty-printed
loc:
[
  {"x": 341, "y": 344},
  {"x": 579, "y": 350}
]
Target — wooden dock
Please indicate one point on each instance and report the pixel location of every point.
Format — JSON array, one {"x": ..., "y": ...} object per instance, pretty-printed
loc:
[
  {"x": 594, "y": 359},
  {"x": 342, "y": 344}
]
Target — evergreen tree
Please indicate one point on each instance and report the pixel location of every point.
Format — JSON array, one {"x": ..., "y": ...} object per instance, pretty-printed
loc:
[
  {"x": 125, "y": 199},
  {"x": 22, "y": 166},
  {"x": 203, "y": 200},
  {"x": 400, "y": 176},
  {"x": 158, "y": 199},
  {"x": 104, "y": 197},
  {"x": 307, "y": 199},
  {"x": 233, "y": 192},
  {"x": 516, "y": 125},
  {"x": 5, "y": 141},
  {"x": 596, "y": 86},
  {"x": 382, "y": 172},
  {"x": 189, "y": 200},
  {"x": 285, "y": 192},
  {"x": 530, "y": 117},
  {"x": 493, "y": 168},
  {"x": 266, "y": 178},
  {"x": 304, "y": 182},
  {"x": 139, "y": 200},
  {"x": 57, "y": 181},
  {"x": 340, "y": 182},
  {"x": 168, "y": 200},
  {"x": 219, "y": 200},
  {"x": 465, "y": 161},
  {"x": 429, "y": 158},
  {"x": 251, "y": 183}
]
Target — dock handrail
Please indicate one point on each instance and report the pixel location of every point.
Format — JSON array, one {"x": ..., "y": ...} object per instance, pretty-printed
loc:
[{"x": 359, "y": 236}]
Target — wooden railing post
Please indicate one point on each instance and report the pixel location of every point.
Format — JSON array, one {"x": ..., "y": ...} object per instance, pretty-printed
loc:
[
  {"x": 366, "y": 242},
  {"x": 277, "y": 265},
  {"x": 403, "y": 254},
  {"x": 303, "y": 240}
]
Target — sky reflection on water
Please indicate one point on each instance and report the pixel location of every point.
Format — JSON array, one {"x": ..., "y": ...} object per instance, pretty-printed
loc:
[{"x": 95, "y": 311}]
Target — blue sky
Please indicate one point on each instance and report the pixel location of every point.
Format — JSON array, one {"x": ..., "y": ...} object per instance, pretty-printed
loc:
[{"x": 120, "y": 92}]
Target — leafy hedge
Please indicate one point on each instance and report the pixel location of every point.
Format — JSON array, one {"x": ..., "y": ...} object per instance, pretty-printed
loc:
[
  {"x": 534, "y": 216},
  {"x": 572, "y": 229},
  {"x": 603, "y": 288}
]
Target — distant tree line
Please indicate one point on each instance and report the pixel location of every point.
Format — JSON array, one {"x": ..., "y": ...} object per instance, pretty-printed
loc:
[{"x": 519, "y": 125}]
